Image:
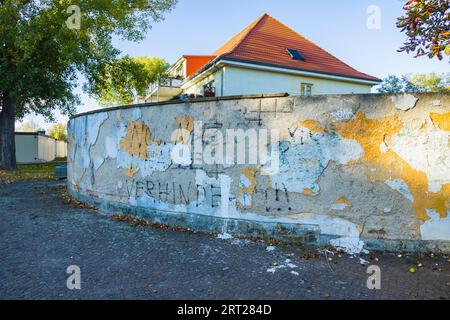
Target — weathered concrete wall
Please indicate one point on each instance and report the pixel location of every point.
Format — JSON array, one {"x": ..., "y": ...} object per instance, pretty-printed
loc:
[{"x": 354, "y": 170}]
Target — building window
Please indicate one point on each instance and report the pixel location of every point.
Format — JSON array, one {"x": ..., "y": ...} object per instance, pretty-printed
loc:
[
  {"x": 296, "y": 55},
  {"x": 209, "y": 90},
  {"x": 306, "y": 89}
]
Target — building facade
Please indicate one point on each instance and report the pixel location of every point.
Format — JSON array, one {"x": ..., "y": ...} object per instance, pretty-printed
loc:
[
  {"x": 266, "y": 57},
  {"x": 33, "y": 147}
]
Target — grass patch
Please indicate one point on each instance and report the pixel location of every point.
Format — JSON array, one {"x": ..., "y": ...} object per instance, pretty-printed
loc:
[{"x": 31, "y": 171}]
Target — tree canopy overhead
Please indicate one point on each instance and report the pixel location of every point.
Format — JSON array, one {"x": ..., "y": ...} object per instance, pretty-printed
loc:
[
  {"x": 426, "y": 23},
  {"x": 126, "y": 78},
  {"x": 42, "y": 57}
]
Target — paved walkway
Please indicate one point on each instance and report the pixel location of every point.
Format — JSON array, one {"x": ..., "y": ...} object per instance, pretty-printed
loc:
[{"x": 41, "y": 235}]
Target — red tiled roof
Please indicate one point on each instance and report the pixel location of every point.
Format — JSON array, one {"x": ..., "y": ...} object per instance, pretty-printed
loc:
[
  {"x": 265, "y": 42},
  {"x": 195, "y": 63}
]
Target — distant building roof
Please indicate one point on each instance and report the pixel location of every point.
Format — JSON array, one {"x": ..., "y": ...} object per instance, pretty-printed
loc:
[
  {"x": 194, "y": 63},
  {"x": 267, "y": 41}
]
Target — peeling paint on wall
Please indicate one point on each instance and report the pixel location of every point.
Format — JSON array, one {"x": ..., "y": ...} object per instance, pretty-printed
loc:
[
  {"x": 159, "y": 159},
  {"x": 393, "y": 165},
  {"x": 341, "y": 203},
  {"x": 130, "y": 172},
  {"x": 436, "y": 228},
  {"x": 442, "y": 121},
  {"x": 404, "y": 101},
  {"x": 389, "y": 165},
  {"x": 82, "y": 134},
  {"x": 183, "y": 124},
  {"x": 400, "y": 186},
  {"x": 247, "y": 186},
  {"x": 136, "y": 140},
  {"x": 313, "y": 126},
  {"x": 140, "y": 153},
  {"x": 304, "y": 157},
  {"x": 425, "y": 148},
  {"x": 85, "y": 132}
]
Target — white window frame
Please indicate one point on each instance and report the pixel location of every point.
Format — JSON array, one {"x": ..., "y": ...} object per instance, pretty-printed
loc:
[{"x": 306, "y": 89}]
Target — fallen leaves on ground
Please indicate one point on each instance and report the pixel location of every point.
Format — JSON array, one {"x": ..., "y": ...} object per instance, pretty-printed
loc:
[
  {"x": 311, "y": 255},
  {"x": 142, "y": 223},
  {"x": 71, "y": 201}
]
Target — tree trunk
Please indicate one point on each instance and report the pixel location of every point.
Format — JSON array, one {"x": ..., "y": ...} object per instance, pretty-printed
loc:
[{"x": 7, "y": 135}]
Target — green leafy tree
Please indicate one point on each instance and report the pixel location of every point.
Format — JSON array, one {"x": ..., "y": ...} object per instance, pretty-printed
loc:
[
  {"x": 432, "y": 82},
  {"x": 47, "y": 46},
  {"x": 126, "y": 78},
  {"x": 416, "y": 83},
  {"x": 426, "y": 23},
  {"x": 58, "y": 131},
  {"x": 394, "y": 84}
]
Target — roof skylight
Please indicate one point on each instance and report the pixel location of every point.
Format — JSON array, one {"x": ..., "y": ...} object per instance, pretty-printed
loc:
[{"x": 295, "y": 54}]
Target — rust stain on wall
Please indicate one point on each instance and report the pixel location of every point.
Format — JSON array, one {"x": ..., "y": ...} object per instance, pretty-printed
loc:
[
  {"x": 370, "y": 133},
  {"x": 442, "y": 121},
  {"x": 136, "y": 140}
]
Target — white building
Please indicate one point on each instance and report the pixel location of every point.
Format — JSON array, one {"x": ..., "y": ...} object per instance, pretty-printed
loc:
[
  {"x": 33, "y": 147},
  {"x": 265, "y": 57}
]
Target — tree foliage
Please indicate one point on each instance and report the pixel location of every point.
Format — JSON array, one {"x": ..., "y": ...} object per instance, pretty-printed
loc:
[
  {"x": 432, "y": 82},
  {"x": 127, "y": 78},
  {"x": 42, "y": 59},
  {"x": 426, "y": 23},
  {"x": 58, "y": 131},
  {"x": 416, "y": 83},
  {"x": 394, "y": 84}
]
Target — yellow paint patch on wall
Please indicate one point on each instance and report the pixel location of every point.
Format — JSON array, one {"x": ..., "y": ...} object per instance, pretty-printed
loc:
[
  {"x": 184, "y": 122},
  {"x": 136, "y": 140},
  {"x": 130, "y": 172},
  {"x": 343, "y": 200},
  {"x": 249, "y": 173},
  {"x": 247, "y": 190},
  {"x": 370, "y": 133},
  {"x": 181, "y": 125},
  {"x": 442, "y": 121},
  {"x": 313, "y": 126},
  {"x": 308, "y": 192}
]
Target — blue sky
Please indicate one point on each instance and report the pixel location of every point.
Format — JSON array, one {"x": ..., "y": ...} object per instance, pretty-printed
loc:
[{"x": 200, "y": 27}]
